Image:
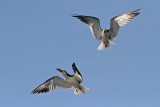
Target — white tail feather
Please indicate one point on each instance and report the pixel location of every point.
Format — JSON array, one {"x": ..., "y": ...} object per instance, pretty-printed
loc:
[
  {"x": 101, "y": 47},
  {"x": 111, "y": 43},
  {"x": 80, "y": 90}
]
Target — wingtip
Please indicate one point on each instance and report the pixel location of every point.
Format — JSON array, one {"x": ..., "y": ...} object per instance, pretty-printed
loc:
[
  {"x": 33, "y": 92},
  {"x": 74, "y": 15},
  {"x": 73, "y": 65},
  {"x": 136, "y": 11}
]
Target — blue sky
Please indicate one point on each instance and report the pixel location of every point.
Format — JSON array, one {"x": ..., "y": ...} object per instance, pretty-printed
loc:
[{"x": 38, "y": 36}]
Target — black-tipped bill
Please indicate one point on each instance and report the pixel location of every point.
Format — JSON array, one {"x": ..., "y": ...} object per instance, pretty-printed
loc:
[{"x": 60, "y": 70}]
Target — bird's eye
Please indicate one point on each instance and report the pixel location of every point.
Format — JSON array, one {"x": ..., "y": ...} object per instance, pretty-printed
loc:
[{"x": 105, "y": 31}]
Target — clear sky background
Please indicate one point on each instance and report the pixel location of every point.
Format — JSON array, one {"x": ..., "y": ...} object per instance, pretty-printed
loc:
[{"x": 38, "y": 36}]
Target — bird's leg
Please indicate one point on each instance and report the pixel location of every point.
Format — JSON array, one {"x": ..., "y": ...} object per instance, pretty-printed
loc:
[{"x": 80, "y": 89}]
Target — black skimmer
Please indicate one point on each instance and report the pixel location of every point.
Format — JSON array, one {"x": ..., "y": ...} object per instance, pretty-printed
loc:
[
  {"x": 107, "y": 36},
  {"x": 70, "y": 81}
]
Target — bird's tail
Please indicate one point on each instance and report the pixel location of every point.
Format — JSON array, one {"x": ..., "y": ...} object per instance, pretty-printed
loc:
[
  {"x": 102, "y": 46},
  {"x": 80, "y": 90}
]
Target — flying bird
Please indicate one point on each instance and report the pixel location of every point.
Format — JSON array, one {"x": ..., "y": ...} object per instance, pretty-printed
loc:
[
  {"x": 70, "y": 81},
  {"x": 107, "y": 36}
]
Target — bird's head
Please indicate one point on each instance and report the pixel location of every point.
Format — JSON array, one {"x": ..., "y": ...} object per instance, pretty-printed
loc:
[
  {"x": 60, "y": 70},
  {"x": 105, "y": 31},
  {"x": 64, "y": 73}
]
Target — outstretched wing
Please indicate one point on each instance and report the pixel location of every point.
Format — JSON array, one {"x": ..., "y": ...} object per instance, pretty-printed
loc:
[
  {"x": 93, "y": 23},
  {"x": 51, "y": 84},
  {"x": 77, "y": 74},
  {"x": 121, "y": 20}
]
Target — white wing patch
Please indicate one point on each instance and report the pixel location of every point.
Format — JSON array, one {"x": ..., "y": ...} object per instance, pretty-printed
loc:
[{"x": 123, "y": 19}]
